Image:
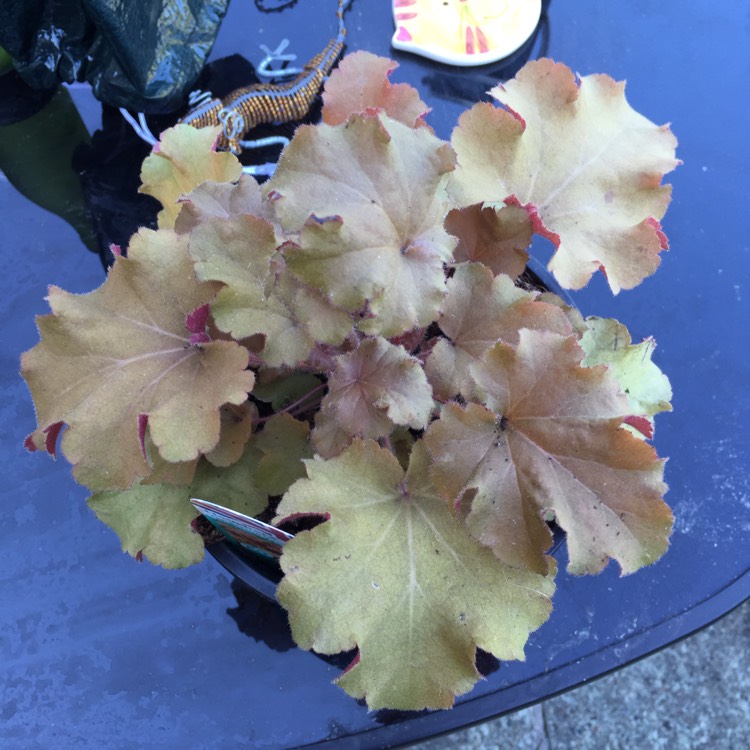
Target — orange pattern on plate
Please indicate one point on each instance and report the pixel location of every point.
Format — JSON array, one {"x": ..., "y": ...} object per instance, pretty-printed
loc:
[{"x": 464, "y": 32}]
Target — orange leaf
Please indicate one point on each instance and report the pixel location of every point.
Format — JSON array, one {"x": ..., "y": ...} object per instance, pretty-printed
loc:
[
  {"x": 360, "y": 85},
  {"x": 550, "y": 443}
]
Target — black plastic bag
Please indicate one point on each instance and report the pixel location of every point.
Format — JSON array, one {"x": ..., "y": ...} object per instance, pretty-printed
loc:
[{"x": 139, "y": 54}]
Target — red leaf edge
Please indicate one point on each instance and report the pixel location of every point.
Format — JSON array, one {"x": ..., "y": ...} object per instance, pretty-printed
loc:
[
  {"x": 353, "y": 663},
  {"x": 196, "y": 322},
  {"x": 537, "y": 224},
  {"x": 142, "y": 425},
  {"x": 299, "y": 516},
  {"x": 659, "y": 232},
  {"x": 51, "y": 434},
  {"x": 50, "y": 442},
  {"x": 641, "y": 424}
]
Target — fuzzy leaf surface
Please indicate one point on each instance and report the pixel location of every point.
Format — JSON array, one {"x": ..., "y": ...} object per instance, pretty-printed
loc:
[
  {"x": 376, "y": 387},
  {"x": 498, "y": 238},
  {"x": 393, "y": 573},
  {"x": 236, "y": 428},
  {"x": 220, "y": 200},
  {"x": 328, "y": 438},
  {"x": 586, "y": 166},
  {"x": 368, "y": 199},
  {"x": 360, "y": 84},
  {"x": 121, "y": 354},
  {"x": 184, "y": 158},
  {"x": 238, "y": 252},
  {"x": 551, "y": 441},
  {"x": 271, "y": 462},
  {"x": 152, "y": 520},
  {"x": 479, "y": 310}
]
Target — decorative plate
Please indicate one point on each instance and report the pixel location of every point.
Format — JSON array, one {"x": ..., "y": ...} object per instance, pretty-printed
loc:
[{"x": 464, "y": 32}]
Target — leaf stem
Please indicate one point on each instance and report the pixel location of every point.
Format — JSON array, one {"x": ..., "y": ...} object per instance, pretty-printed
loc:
[
  {"x": 291, "y": 406},
  {"x": 254, "y": 360},
  {"x": 385, "y": 441}
]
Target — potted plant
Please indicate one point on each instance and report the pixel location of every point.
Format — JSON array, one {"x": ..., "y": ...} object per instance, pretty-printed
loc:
[{"x": 349, "y": 348}]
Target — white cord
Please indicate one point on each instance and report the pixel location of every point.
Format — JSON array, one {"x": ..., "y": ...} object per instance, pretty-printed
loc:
[
  {"x": 140, "y": 127},
  {"x": 264, "y": 69},
  {"x": 272, "y": 140},
  {"x": 261, "y": 170}
]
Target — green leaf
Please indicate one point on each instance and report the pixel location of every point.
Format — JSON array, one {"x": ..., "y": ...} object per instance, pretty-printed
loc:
[
  {"x": 368, "y": 199},
  {"x": 122, "y": 352},
  {"x": 282, "y": 390},
  {"x": 394, "y": 574},
  {"x": 233, "y": 486},
  {"x": 283, "y": 444},
  {"x": 152, "y": 520},
  {"x": 184, "y": 158},
  {"x": 581, "y": 161},
  {"x": 607, "y": 342}
]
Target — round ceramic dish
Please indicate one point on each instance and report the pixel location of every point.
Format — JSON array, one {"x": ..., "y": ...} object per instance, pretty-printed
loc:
[{"x": 464, "y": 32}]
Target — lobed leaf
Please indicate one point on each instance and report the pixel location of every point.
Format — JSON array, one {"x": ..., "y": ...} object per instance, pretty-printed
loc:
[
  {"x": 270, "y": 463},
  {"x": 236, "y": 427},
  {"x": 360, "y": 85},
  {"x": 283, "y": 444},
  {"x": 499, "y": 238},
  {"x": 376, "y": 387},
  {"x": 184, "y": 158},
  {"x": 256, "y": 299},
  {"x": 474, "y": 468},
  {"x": 368, "y": 199},
  {"x": 155, "y": 519},
  {"x": 479, "y": 310},
  {"x": 581, "y": 161},
  {"x": 220, "y": 200},
  {"x": 235, "y": 430},
  {"x": 550, "y": 442},
  {"x": 328, "y": 438},
  {"x": 110, "y": 360},
  {"x": 394, "y": 574}
]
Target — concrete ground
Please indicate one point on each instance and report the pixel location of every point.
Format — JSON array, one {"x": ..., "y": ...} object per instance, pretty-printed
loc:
[{"x": 693, "y": 695}]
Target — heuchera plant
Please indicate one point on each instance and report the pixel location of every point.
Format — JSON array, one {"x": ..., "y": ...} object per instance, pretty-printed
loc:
[{"x": 349, "y": 344}]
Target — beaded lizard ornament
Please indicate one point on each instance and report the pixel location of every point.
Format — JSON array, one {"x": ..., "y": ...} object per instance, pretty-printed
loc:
[{"x": 263, "y": 103}]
